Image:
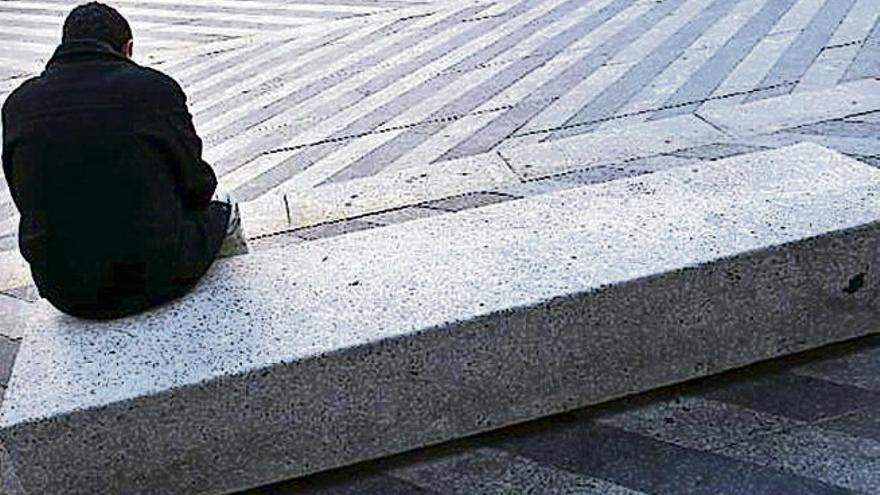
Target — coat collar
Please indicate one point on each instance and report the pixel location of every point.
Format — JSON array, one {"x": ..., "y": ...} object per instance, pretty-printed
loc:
[{"x": 78, "y": 50}]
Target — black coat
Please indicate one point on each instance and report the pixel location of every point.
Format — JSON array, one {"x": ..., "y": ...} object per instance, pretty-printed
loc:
[{"x": 105, "y": 167}]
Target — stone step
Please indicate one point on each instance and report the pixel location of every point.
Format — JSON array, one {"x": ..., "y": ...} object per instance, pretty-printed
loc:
[{"x": 293, "y": 361}]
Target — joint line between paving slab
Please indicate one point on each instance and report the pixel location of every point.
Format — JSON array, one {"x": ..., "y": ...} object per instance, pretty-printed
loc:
[
  {"x": 798, "y": 425},
  {"x": 286, "y": 208},
  {"x": 507, "y": 164},
  {"x": 417, "y": 16},
  {"x": 294, "y": 230},
  {"x": 4, "y": 294},
  {"x": 484, "y": 18},
  {"x": 551, "y": 130},
  {"x": 502, "y": 108},
  {"x": 843, "y": 45},
  {"x": 430, "y": 204},
  {"x": 715, "y": 126},
  {"x": 349, "y": 137}
]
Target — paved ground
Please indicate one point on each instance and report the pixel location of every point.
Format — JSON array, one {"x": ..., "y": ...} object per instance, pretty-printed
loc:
[
  {"x": 804, "y": 425},
  {"x": 318, "y": 111},
  {"x": 328, "y": 116},
  {"x": 31, "y": 29}
]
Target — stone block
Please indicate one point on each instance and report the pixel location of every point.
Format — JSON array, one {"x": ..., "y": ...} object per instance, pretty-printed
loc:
[{"x": 289, "y": 362}]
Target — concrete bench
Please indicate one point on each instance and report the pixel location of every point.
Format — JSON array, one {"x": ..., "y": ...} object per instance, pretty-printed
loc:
[{"x": 289, "y": 362}]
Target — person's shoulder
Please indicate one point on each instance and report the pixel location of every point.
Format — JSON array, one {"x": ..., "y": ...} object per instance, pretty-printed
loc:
[
  {"x": 157, "y": 84},
  {"x": 23, "y": 90},
  {"x": 20, "y": 94},
  {"x": 158, "y": 78}
]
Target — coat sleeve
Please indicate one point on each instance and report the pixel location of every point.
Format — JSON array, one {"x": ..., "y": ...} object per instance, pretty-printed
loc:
[
  {"x": 196, "y": 179},
  {"x": 6, "y": 154}
]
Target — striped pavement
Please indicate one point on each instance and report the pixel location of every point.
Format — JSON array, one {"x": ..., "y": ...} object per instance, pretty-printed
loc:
[
  {"x": 32, "y": 29},
  {"x": 473, "y": 82},
  {"x": 803, "y": 425},
  {"x": 309, "y": 99},
  {"x": 382, "y": 86}
]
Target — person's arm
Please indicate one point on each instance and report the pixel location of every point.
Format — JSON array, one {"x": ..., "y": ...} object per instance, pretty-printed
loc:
[
  {"x": 196, "y": 179},
  {"x": 6, "y": 155}
]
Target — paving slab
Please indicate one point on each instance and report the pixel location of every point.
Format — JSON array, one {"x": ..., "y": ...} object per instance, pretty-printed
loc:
[
  {"x": 799, "y": 397},
  {"x": 869, "y": 117},
  {"x": 372, "y": 110},
  {"x": 677, "y": 415},
  {"x": 8, "y": 350},
  {"x": 168, "y": 32},
  {"x": 9, "y": 483},
  {"x": 288, "y": 362},
  {"x": 860, "y": 369},
  {"x": 296, "y": 206},
  {"x": 609, "y": 146},
  {"x": 716, "y": 151},
  {"x": 639, "y": 166},
  {"x": 381, "y": 192},
  {"x": 26, "y": 293},
  {"x": 400, "y": 215},
  {"x": 782, "y": 112},
  {"x": 332, "y": 229},
  {"x": 874, "y": 161},
  {"x": 829, "y": 456},
  {"x": 842, "y": 128},
  {"x": 864, "y": 423},
  {"x": 866, "y": 62},
  {"x": 467, "y": 201},
  {"x": 12, "y": 314},
  {"x": 847, "y": 145},
  {"x": 534, "y": 187},
  {"x": 8, "y": 242},
  {"x": 697, "y": 423},
  {"x": 16, "y": 271},
  {"x": 495, "y": 472},
  {"x": 803, "y": 51},
  {"x": 654, "y": 466}
]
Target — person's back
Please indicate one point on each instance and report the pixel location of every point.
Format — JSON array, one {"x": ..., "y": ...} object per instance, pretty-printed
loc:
[{"x": 105, "y": 167}]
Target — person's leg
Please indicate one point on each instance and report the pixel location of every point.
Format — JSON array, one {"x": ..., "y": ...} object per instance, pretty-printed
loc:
[
  {"x": 202, "y": 236},
  {"x": 234, "y": 243}
]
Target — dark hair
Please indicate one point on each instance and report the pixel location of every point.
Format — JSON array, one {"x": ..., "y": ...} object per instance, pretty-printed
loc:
[{"x": 96, "y": 21}]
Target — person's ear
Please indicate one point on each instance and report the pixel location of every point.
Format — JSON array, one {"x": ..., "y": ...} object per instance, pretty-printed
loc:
[{"x": 128, "y": 49}]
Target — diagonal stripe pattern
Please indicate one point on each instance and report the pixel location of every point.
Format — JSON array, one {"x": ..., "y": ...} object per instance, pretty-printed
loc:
[
  {"x": 31, "y": 29},
  {"x": 294, "y": 95}
]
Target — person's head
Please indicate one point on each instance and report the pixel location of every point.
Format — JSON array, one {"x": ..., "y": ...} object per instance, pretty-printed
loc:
[{"x": 96, "y": 21}]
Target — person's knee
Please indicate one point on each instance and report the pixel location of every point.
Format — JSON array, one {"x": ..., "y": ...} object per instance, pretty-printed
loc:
[{"x": 223, "y": 196}]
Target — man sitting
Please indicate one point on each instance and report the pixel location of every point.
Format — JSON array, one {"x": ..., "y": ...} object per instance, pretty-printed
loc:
[{"x": 104, "y": 164}]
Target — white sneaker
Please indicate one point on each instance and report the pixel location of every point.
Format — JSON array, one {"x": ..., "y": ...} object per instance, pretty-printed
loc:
[{"x": 235, "y": 242}]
